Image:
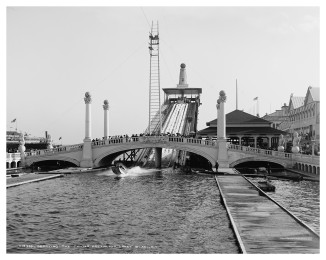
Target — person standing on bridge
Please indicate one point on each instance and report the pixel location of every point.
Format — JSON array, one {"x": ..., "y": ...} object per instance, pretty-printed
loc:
[{"x": 216, "y": 166}]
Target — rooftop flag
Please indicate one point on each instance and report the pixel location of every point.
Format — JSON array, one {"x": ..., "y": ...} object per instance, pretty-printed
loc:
[
  {"x": 256, "y": 98},
  {"x": 13, "y": 121}
]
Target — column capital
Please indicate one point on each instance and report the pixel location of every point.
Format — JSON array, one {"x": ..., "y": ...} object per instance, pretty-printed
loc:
[
  {"x": 221, "y": 99},
  {"x": 88, "y": 98},
  {"x": 106, "y": 105}
]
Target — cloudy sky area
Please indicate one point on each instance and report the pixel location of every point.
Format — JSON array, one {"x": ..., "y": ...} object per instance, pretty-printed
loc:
[{"x": 56, "y": 54}]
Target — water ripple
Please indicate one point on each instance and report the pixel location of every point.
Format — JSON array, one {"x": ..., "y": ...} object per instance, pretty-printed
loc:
[{"x": 89, "y": 213}]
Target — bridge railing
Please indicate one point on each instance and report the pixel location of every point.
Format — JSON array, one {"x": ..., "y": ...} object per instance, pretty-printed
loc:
[
  {"x": 154, "y": 139},
  {"x": 291, "y": 156},
  {"x": 263, "y": 152},
  {"x": 61, "y": 149}
]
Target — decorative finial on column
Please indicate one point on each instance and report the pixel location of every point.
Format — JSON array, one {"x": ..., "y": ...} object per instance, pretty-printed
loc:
[
  {"x": 88, "y": 98},
  {"x": 21, "y": 147},
  {"x": 222, "y": 98},
  {"x": 49, "y": 142},
  {"x": 106, "y": 105}
]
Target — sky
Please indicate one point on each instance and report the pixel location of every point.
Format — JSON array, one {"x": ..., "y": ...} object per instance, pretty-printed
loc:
[{"x": 56, "y": 54}]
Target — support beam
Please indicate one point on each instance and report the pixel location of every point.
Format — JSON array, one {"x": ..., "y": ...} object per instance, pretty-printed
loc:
[{"x": 158, "y": 157}]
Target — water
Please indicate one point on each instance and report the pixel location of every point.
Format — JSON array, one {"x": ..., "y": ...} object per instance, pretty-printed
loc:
[
  {"x": 301, "y": 198},
  {"x": 145, "y": 212}
]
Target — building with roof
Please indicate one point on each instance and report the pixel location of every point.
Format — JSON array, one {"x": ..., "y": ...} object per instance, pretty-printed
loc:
[
  {"x": 245, "y": 129},
  {"x": 278, "y": 117},
  {"x": 304, "y": 114}
]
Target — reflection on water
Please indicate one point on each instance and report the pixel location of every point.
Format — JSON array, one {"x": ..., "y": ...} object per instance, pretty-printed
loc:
[
  {"x": 302, "y": 198},
  {"x": 147, "y": 211}
]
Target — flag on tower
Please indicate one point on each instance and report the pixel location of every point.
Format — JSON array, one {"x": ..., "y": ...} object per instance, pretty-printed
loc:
[
  {"x": 256, "y": 98},
  {"x": 13, "y": 121},
  {"x": 60, "y": 138}
]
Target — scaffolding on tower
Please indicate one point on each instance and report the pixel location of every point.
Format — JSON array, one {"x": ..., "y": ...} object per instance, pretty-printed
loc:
[{"x": 155, "y": 122}]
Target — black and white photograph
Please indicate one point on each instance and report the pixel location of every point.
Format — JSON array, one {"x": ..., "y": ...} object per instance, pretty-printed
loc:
[{"x": 134, "y": 128}]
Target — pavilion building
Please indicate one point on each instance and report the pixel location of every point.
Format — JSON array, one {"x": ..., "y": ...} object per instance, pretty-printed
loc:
[{"x": 245, "y": 129}]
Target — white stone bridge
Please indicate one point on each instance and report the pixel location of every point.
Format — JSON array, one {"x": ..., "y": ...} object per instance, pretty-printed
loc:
[{"x": 104, "y": 152}]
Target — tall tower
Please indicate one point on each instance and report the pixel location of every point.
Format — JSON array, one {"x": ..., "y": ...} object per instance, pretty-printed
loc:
[{"x": 155, "y": 123}]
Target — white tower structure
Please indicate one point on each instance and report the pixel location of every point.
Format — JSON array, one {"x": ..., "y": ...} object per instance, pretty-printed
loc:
[
  {"x": 182, "y": 77},
  {"x": 155, "y": 123}
]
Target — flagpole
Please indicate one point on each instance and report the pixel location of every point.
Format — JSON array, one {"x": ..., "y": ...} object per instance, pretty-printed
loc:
[{"x": 236, "y": 90}]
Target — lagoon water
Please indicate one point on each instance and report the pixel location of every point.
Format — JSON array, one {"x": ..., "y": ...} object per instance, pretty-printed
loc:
[{"x": 147, "y": 211}]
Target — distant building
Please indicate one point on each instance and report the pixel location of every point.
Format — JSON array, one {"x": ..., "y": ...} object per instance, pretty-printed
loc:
[
  {"x": 245, "y": 129},
  {"x": 278, "y": 117},
  {"x": 31, "y": 142},
  {"x": 302, "y": 115}
]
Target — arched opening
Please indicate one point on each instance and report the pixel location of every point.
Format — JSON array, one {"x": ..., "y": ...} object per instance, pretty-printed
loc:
[
  {"x": 7, "y": 165},
  {"x": 19, "y": 163},
  {"x": 318, "y": 171},
  {"x": 306, "y": 168},
  {"x": 50, "y": 165},
  {"x": 13, "y": 164},
  {"x": 179, "y": 156},
  {"x": 255, "y": 166},
  {"x": 198, "y": 161},
  {"x": 310, "y": 169},
  {"x": 314, "y": 170}
]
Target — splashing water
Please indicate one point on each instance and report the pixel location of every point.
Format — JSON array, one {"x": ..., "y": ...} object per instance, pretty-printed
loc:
[{"x": 132, "y": 172}]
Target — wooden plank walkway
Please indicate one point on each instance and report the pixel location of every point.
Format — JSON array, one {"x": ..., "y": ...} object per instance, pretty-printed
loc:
[
  {"x": 29, "y": 178},
  {"x": 261, "y": 225}
]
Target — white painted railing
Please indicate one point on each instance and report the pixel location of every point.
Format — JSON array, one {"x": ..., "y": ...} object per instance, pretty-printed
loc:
[
  {"x": 13, "y": 156},
  {"x": 155, "y": 139},
  {"x": 124, "y": 140},
  {"x": 291, "y": 156},
  {"x": 61, "y": 149}
]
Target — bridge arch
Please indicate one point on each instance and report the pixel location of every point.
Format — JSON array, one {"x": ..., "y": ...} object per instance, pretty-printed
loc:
[
  {"x": 119, "y": 149},
  {"x": 53, "y": 158},
  {"x": 256, "y": 159}
]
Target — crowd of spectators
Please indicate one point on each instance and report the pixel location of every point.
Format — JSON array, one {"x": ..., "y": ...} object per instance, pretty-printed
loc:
[{"x": 127, "y": 137}]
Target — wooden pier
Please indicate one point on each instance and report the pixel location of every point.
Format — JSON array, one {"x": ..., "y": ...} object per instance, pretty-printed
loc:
[
  {"x": 261, "y": 225},
  {"x": 30, "y": 178}
]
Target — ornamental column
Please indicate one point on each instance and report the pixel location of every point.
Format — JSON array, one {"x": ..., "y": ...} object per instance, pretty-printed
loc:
[
  {"x": 222, "y": 153},
  {"x": 88, "y": 101},
  {"x": 221, "y": 116},
  {"x": 106, "y": 121},
  {"x": 87, "y": 158},
  {"x": 21, "y": 149}
]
